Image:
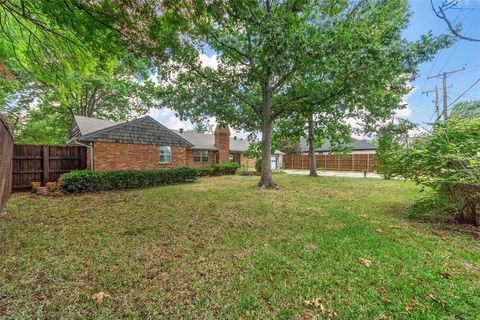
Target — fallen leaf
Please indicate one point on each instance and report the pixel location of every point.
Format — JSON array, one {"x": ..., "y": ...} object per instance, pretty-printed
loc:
[
  {"x": 331, "y": 313},
  {"x": 380, "y": 230},
  {"x": 445, "y": 275},
  {"x": 98, "y": 297},
  {"x": 384, "y": 297},
  {"x": 365, "y": 262},
  {"x": 307, "y": 314},
  {"x": 363, "y": 215},
  {"x": 316, "y": 302},
  {"x": 394, "y": 226},
  {"x": 431, "y": 296}
]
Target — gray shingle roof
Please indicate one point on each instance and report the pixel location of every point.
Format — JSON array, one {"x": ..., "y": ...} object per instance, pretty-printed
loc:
[
  {"x": 356, "y": 145},
  {"x": 207, "y": 141},
  {"x": 92, "y": 129},
  {"x": 238, "y": 144},
  {"x": 199, "y": 140},
  {"x": 88, "y": 125}
]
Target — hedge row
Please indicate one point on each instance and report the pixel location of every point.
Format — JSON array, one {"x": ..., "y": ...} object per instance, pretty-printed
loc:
[
  {"x": 89, "y": 181},
  {"x": 221, "y": 169}
]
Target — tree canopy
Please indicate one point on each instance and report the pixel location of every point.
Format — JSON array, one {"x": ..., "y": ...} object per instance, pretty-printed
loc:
[
  {"x": 68, "y": 57},
  {"x": 466, "y": 109}
]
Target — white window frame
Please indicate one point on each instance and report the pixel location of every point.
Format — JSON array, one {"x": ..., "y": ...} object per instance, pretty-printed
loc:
[
  {"x": 203, "y": 156},
  {"x": 163, "y": 149}
]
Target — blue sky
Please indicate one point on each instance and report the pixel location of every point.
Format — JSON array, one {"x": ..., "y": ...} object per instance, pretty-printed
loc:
[{"x": 461, "y": 54}]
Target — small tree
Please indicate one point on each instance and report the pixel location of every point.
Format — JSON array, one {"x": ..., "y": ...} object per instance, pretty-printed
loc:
[
  {"x": 392, "y": 139},
  {"x": 448, "y": 160}
]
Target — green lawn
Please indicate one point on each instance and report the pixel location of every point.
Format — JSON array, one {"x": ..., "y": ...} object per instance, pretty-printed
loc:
[{"x": 219, "y": 248}]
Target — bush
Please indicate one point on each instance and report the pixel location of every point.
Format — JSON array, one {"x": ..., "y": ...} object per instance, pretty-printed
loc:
[
  {"x": 221, "y": 169},
  {"x": 448, "y": 161},
  {"x": 205, "y": 171},
  {"x": 227, "y": 168},
  {"x": 88, "y": 181}
]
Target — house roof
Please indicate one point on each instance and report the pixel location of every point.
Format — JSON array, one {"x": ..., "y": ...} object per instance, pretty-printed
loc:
[
  {"x": 239, "y": 144},
  {"x": 145, "y": 130},
  {"x": 207, "y": 141},
  {"x": 92, "y": 129},
  {"x": 88, "y": 125},
  {"x": 356, "y": 145},
  {"x": 199, "y": 140}
]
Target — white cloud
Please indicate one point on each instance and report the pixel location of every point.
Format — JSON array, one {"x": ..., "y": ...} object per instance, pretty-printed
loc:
[
  {"x": 168, "y": 118},
  {"x": 404, "y": 113}
]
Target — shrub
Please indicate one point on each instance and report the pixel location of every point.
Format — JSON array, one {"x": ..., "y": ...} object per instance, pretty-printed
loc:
[
  {"x": 448, "y": 160},
  {"x": 205, "y": 171},
  {"x": 227, "y": 168},
  {"x": 88, "y": 181},
  {"x": 221, "y": 169}
]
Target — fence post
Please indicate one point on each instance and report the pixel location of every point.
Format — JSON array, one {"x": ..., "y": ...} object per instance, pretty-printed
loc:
[
  {"x": 338, "y": 162},
  {"x": 325, "y": 162},
  {"x": 353, "y": 162},
  {"x": 302, "y": 161},
  {"x": 368, "y": 162},
  {"x": 46, "y": 164}
]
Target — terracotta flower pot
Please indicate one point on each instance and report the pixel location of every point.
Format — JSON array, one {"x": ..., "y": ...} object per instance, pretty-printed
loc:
[
  {"x": 42, "y": 191},
  {"x": 35, "y": 186},
  {"x": 51, "y": 186}
]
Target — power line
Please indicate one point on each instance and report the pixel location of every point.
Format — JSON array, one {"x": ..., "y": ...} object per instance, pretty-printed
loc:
[{"x": 464, "y": 92}]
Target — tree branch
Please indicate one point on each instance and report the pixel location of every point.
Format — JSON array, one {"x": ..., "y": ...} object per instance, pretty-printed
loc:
[{"x": 440, "y": 13}]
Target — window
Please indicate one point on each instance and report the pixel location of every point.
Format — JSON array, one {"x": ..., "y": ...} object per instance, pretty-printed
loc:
[
  {"x": 200, "y": 156},
  {"x": 165, "y": 155}
]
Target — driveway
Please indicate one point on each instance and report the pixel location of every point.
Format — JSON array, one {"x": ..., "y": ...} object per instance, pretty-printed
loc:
[{"x": 345, "y": 174}]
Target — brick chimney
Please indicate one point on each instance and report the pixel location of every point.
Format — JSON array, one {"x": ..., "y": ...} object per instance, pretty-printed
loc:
[{"x": 222, "y": 142}]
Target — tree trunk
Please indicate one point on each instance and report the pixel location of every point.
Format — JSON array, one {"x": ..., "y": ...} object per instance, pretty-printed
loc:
[
  {"x": 468, "y": 212},
  {"x": 311, "y": 148},
  {"x": 266, "y": 180}
]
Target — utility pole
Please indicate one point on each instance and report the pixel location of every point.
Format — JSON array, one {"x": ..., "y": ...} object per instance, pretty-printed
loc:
[
  {"x": 444, "y": 76},
  {"x": 437, "y": 101}
]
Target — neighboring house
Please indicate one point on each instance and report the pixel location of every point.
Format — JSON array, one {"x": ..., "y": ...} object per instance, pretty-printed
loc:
[
  {"x": 144, "y": 143},
  {"x": 356, "y": 147}
]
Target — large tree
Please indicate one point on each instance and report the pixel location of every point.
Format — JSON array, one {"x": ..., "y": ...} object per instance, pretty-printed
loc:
[
  {"x": 63, "y": 57},
  {"x": 265, "y": 49}
]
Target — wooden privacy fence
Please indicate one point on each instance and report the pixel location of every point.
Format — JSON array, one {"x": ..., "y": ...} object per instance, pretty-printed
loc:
[
  {"x": 43, "y": 163},
  {"x": 332, "y": 162},
  {"x": 6, "y": 150}
]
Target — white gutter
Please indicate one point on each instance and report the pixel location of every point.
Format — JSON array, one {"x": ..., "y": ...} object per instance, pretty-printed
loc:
[{"x": 91, "y": 151}]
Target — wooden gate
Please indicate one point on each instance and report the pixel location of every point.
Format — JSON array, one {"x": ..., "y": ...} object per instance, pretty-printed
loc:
[
  {"x": 6, "y": 150},
  {"x": 43, "y": 163}
]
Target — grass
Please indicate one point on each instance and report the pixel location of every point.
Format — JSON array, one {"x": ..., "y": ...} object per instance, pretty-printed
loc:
[{"x": 219, "y": 248}]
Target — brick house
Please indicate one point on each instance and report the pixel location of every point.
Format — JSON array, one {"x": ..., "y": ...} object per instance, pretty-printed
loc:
[{"x": 144, "y": 143}]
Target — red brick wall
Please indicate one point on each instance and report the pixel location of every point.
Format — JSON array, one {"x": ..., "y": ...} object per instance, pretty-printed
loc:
[
  {"x": 122, "y": 156},
  {"x": 211, "y": 159},
  {"x": 222, "y": 142}
]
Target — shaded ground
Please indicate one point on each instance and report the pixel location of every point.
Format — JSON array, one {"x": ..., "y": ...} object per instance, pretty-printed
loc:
[{"x": 219, "y": 248}]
